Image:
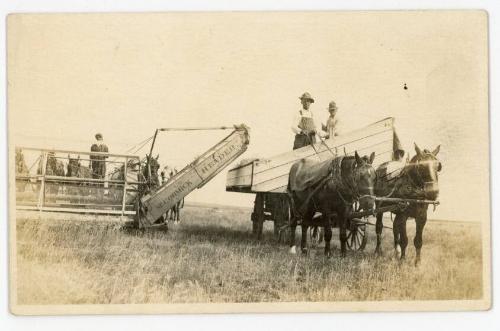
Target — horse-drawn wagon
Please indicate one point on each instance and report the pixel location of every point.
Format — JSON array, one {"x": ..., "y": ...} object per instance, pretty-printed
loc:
[{"x": 268, "y": 178}]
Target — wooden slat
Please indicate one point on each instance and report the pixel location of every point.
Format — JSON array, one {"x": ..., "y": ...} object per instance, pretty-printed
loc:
[{"x": 240, "y": 177}]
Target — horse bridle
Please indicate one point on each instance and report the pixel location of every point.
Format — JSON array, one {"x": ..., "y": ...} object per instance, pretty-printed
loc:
[
  {"x": 73, "y": 166},
  {"x": 420, "y": 178},
  {"x": 352, "y": 188}
]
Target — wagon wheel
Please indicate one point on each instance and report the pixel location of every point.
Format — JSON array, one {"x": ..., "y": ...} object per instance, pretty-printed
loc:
[
  {"x": 356, "y": 236},
  {"x": 258, "y": 215},
  {"x": 282, "y": 220}
]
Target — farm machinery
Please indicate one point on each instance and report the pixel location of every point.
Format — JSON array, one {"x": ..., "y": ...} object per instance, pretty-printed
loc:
[{"x": 42, "y": 184}]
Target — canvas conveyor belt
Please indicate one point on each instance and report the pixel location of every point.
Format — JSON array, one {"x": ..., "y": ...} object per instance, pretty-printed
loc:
[{"x": 193, "y": 176}]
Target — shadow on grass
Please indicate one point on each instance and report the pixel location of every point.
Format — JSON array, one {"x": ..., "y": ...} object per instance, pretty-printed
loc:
[{"x": 220, "y": 234}]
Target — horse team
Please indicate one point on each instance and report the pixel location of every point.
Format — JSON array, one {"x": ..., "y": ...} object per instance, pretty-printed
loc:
[{"x": 351, "y": 180}]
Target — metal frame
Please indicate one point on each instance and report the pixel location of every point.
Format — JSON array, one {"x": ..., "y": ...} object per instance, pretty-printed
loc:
[{"x": 43, "y": 179}]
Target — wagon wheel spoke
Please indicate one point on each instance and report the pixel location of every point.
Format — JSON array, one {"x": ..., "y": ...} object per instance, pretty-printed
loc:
[
  {"x": 360, "y": 231},
  {"x": 358, "y": 240},
  {"x": 349, "y": 235}
]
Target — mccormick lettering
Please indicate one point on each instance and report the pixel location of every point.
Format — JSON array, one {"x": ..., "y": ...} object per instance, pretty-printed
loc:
[
  {"x": 220, "y": 157},
  {"x": 175, "y": 195}
]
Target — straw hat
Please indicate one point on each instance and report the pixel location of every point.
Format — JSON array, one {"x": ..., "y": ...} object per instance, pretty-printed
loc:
[
  {"x": 306, "y": 96},
  {"x": 332, "y": 106}
]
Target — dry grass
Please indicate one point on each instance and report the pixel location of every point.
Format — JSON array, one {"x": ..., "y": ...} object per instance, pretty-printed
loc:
[{"x": 211, "y": 257}]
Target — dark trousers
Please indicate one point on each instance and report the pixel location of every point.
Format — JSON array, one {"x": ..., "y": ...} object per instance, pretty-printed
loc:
[{"x": 303, "y": 139}]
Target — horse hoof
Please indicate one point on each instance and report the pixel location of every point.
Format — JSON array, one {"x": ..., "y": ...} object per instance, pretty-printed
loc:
[
  {"x": 328, "y": 255},
  {"x": 304, "y": 251},
  {"x": 293, "y": 250}
]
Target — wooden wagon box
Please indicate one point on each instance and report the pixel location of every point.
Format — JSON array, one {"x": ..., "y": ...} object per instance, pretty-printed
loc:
[{"x": 271, "y": 174}]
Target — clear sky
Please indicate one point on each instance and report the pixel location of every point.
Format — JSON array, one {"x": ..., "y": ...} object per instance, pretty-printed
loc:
[{"x": 70, "y": 76}]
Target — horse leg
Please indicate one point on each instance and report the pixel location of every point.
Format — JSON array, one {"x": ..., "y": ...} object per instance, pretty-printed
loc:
[
  {"x": 379, "y": 226},
  {"x": 328, "y": 235},
  {"x": 395, "y": 232},
  {"x": 403, "y": 238},
  {"x": 306, "y": 222},
  {"x": 178, "y": 215},
  {"x": 420, "y": 219},
  {"x": 343, "y": 232},
  {"x": 293, "y": 227},
  {"x": 174, "y": 214},
  {"x": 303, "y": 241}
]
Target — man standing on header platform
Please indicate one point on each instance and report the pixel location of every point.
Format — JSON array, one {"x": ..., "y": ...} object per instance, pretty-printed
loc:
[
  {"x": 97, "y": 162},
  {"x": 303, "y": 125}
]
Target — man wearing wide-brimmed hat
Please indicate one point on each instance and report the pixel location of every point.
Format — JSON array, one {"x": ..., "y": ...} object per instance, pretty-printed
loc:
[
  {"x": 303, "y": 125},
  {"x": 97, "y": 162},
  {"x": 331, "y": 127}
]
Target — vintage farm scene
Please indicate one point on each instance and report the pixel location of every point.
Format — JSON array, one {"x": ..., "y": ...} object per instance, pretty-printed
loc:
[{"x": 171, "y": 160}]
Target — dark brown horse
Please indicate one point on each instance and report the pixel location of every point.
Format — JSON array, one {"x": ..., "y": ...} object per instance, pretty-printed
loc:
[
  {"x": 54, "y": 167},
  {"x": 152, "y": 179},
  {"x": 77, "y": 170},
  {"x": 118, "y": 174},
  {"x": 417, "y": 180},
  {"x": 330, "y": 187}
]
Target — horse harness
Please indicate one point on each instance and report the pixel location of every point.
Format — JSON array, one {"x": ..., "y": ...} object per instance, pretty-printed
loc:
[{"x": 335, "y": 176}]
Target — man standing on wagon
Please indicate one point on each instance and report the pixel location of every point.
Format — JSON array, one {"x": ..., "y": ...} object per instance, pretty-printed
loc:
[
  {"x": 303, "y": 125},
  {"x": 331, "y": 127},
  {"x": 97, "y": 162}
]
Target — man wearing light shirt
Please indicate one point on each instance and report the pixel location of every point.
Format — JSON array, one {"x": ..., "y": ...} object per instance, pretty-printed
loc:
[
  {"x": 331, "y": 127},
  {"x": 303, "y": 125}
]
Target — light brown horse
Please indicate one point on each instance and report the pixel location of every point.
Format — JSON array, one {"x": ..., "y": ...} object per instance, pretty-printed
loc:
[{"x": 417, "y": 180}]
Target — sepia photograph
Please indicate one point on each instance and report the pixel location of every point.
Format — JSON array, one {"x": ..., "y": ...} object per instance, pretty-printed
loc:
[{"x": 226, "y": 162}]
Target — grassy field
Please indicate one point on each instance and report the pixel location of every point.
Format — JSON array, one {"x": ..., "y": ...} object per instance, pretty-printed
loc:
[{"x": 211, "y": 257}]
